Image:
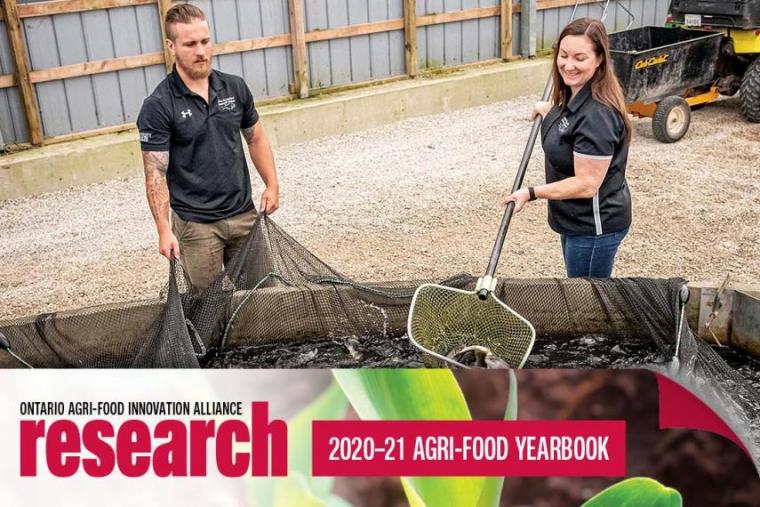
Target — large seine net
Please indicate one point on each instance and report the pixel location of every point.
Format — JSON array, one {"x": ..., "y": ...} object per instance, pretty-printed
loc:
[{"x": 276, "y": 291}]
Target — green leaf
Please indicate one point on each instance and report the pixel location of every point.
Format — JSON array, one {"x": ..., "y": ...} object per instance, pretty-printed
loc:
[
  {"x": 636, "y": 492},
  {"x": 300, "y": 488},
  {"x": 296, "y": 489},
  {"x": 490, "y": 496},
  {"x": 421, "y": 395}
]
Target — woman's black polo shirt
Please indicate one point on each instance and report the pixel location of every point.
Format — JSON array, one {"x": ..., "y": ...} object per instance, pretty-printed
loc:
[
  {"x": 208, "y": 176},
  {"x": 587, "y": 128}
]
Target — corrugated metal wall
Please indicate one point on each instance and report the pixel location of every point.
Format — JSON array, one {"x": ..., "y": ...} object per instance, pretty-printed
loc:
[
  {"x": 550, "y": 22},
  {"x": 354, "y": 59},
  {"x": 90, "y": 102},
  {"x": 267, "y": 71},
  {"x": 458, "y": 42},
  {"x": 12, "y": 119},
  {"x": 113, "y": 98}
]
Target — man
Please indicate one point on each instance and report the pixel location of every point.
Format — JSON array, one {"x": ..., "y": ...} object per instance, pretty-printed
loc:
[{"x": 193, "y": 153}]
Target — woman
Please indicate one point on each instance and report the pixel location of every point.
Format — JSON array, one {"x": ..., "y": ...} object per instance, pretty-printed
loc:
[{"x": 585, "y": 136}]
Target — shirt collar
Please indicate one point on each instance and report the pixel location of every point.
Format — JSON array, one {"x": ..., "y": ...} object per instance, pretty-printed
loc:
[
  {"x": 179, "y": 88},
  {"x": 580, "y": 98}
]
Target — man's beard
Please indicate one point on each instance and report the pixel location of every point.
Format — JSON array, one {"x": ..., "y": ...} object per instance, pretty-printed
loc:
[{"x": 196, "y": 71}]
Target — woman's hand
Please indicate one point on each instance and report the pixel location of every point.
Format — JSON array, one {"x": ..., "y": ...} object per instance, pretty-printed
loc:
[
  {"x": 541, "y": 108},
  {"x": 519, "y": 198}
]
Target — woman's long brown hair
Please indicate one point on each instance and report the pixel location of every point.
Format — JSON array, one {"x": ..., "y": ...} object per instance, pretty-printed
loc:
[{"x": 605, "y": 87}]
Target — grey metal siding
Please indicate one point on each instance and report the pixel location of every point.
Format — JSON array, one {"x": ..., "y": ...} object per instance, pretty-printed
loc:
[
  {"x": 90, "y": 102},
  {"x": 646, "y": 12},
  {"x": 12, "y": 119},
  {"x": 267, "y": 71},
  {"x": 113, "y": 98},
  {"x": 457, "y": 42},
  {"x": 359, "y": 58}
]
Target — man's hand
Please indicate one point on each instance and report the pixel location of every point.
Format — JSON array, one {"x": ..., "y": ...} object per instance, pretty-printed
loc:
[
  {"x": 263, "y": 160},
  {"x": 519, "y": 198},
  {"x": 168, "y": 245},
  {"x": 270, "y": 200},
  {"x": 541, "y": 108}
]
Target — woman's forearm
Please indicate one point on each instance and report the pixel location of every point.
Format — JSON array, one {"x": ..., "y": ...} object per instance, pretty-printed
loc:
[{"x": 569, "y": 188}]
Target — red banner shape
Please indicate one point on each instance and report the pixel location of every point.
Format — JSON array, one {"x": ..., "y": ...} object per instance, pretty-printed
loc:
[
  {"x": 681, "y": 409},
  {"x": 469, "y": 448}
]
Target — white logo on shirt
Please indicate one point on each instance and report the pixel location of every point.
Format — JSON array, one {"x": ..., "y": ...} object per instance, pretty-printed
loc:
[
  {"x": 145, "y": 137},
  {"x": 227, "y": 104},
  {"x": 186, "y": 113},
  {"x": 563, "y": 124}
]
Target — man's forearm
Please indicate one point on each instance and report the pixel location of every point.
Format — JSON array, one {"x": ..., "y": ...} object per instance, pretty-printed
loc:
[
  {"x": 261, "y": 154},
  {"x": 156, "y": 163}
]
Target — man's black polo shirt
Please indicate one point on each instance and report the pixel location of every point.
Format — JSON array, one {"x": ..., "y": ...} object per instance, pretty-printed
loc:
[
  {"x": 208, "y": 176},
  {"x": 587, "y": 128}
]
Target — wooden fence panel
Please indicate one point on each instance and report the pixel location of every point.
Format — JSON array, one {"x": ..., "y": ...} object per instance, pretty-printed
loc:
[
  {"x": 226, "y": 29},
  {"x": 151, "y": 42},
  {"x": 134, "y": 87},
  {"x": 318, "y": 52},
  {"x": 380, "y": 43},
  {"x": 458, "y": 41},
  {"x": 82, "y": 60},
  {"x": 43, "y": 53},
  {"x": 359, "y": 47},
  {"x": 253, "y": 62},
  {"x": 76, "y": 104},
  {"x": 105, "y": 87},
  {"x": 12, "y": 118},
  {"x": 395, "y": 43},
  {"x": 69, "y": 39},
  {"x": 340, "y": 49},
  {"x": 275, "y": 20}
]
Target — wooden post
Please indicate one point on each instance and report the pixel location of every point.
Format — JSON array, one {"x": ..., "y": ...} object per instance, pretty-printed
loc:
[
  {"x": 506, "y": 30},
  {"x": 163, "y": 8},
  {"x": 410, "y": 37},
  {"x": 16, "y": 39},
  {"x": 298, "y": 41}
]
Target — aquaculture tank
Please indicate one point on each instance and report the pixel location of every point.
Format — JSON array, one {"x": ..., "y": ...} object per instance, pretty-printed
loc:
[{"x": 278, "y": 305}]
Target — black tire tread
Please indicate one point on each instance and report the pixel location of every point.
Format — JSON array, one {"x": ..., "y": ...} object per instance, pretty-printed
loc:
[
  {"x": 749, "y": 92},
  {"x": 660, "y": 118}
]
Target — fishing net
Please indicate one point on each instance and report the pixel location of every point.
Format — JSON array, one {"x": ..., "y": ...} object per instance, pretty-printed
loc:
[
  {"x": 273, "y": 289},
  {"x": 276, "y": 291},
  {"x": 448, "y": 323}
]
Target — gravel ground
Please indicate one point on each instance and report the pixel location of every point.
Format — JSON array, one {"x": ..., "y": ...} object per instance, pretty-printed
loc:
[{"x": 411, "y": 200}]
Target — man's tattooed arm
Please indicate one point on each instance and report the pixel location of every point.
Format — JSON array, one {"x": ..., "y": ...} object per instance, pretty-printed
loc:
[
  {"x": 248, "y": 134},
  {"x": 156, "y": 163}
]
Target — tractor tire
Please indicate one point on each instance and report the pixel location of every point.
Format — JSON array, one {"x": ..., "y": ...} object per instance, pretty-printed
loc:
[
  {"x": 671, "y": 119},
  {"x": 749, "y": 93}
]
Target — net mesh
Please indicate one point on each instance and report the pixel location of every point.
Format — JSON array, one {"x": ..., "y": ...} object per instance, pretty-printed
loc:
[
  {"x": 276, "y": 291},
  {"x": 447, "y": 321}
]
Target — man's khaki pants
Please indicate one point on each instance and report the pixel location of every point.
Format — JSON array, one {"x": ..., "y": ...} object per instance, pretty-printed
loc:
[{"x": 205, "y": 249}]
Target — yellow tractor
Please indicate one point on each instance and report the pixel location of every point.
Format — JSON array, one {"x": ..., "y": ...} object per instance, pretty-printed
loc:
[
  {"x": 739, "y": 64},
  {"x": 706, "y": 49}
]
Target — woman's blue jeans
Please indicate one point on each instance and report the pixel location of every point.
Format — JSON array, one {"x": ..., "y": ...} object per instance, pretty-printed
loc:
[{"x": 592, "y": 256}]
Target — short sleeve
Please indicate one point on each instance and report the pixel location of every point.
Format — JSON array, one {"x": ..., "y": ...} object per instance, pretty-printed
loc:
[
  {"x": 598, "y": 134},
  {"x": 250, "y": 115},
  {"x": 154, "y": 126}
]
